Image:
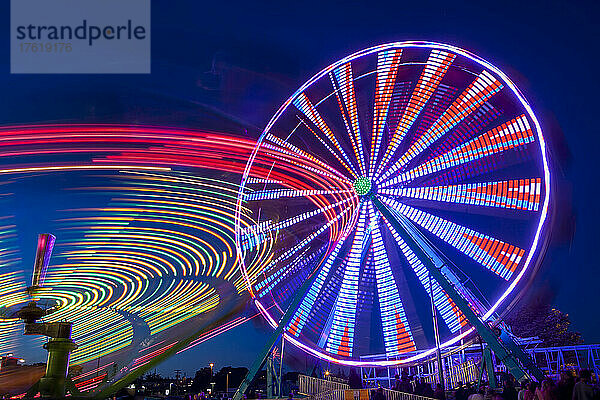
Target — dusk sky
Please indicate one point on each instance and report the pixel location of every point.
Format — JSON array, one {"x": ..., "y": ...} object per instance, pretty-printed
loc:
[{"x": 268, "y": 49}]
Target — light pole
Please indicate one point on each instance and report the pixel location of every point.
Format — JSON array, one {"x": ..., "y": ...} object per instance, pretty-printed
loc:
[
  {"x": 227, "y": 384},
  {"x": 212, "y": 384}
]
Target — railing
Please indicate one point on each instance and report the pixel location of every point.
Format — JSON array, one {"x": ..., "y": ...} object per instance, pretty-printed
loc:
[
  {"x": 556, "y": 359},
  {"x": 396, "y": 395},
  {"x": 311, "y": 386},
  {"x": 322, "y": 389},
  {"x": 389, "y": 394},
  {"x": 338, "y": 394},
  {"x": 465, "y": 373}
]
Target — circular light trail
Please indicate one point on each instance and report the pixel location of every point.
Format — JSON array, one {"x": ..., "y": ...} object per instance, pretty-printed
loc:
[{"x": 145, "y": 254}]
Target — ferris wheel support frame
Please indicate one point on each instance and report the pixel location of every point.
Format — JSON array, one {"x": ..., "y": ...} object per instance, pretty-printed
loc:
[{"x": 515, "y": 361}]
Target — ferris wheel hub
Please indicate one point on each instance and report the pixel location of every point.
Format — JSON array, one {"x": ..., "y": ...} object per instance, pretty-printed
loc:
[{"x": 363, "y": 186}]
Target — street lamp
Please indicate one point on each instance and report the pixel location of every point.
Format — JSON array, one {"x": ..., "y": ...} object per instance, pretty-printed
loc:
[
  {"x": 211, "y": 369},
  {"x": 227, "y": 384}
]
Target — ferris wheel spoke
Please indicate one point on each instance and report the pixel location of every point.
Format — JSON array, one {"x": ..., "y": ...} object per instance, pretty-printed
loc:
[
  {"x": 301, "y": 316},
  {"x": 516, "y": 194},
  {"x": 346, "y": 164},
  {"x": 303, "y": 104},
  {"x": 301, "y": 262},
  {"x": 253, "y": 235},
  {"x": 274, "y": 194},
  {"x": 397, "y": 335},
  {"x": 287, "y": 145},
  {"x": 387, "y": 70},
  {"x": 340, "y": 337},
  {"x": 302, "y": 166},
  {"x": 514, "y": 133},
  {"x": 497, "y": 256},
  {"x": 343, "y": 85},
  {"x": 306, "y": 241},
  {"x": 435, "y": 69},
  {"x": 268, "y": 228},
  {"x": 480, "y": 91},
  {"x": 452, "y": 316}
]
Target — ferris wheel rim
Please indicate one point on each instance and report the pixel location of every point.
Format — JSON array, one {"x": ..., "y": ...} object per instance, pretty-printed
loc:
[{"x": 534, "y": 250}]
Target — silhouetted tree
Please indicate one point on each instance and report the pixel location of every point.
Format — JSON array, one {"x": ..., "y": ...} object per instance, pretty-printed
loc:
[
  {"x": 201, "y": 380},
  {"x": 539, "y": 318}
]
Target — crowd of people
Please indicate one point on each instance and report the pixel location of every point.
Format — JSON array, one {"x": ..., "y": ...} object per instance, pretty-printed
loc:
[
  {"x": 419, "y": 387},
  {"x": 568, "y": 387}
]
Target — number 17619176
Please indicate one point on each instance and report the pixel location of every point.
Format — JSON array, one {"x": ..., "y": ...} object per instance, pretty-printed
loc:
[{"x": 46, "y": 47}]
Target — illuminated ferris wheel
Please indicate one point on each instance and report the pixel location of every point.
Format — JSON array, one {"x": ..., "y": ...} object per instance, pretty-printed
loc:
[{"x": 399, "y": 194}]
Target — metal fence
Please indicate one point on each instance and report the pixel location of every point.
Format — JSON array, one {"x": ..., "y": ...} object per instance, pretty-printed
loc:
[
  {"x": 310, "y": 386},
  {"x": 323, "y": 389},
  {"x": 465, "y": 372},
  {"x": 396, "y": 395},
  {"x": 388, "y": 394},
  {"x": 338, "y": 394},
  {"x": 554, "y": 360}
]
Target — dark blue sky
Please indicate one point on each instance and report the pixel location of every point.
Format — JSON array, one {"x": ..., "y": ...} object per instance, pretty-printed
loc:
[{"x": 550, "y": 49}]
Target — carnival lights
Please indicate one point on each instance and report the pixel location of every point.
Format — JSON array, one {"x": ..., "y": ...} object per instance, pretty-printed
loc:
[{"x": 446, "y": 143}]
